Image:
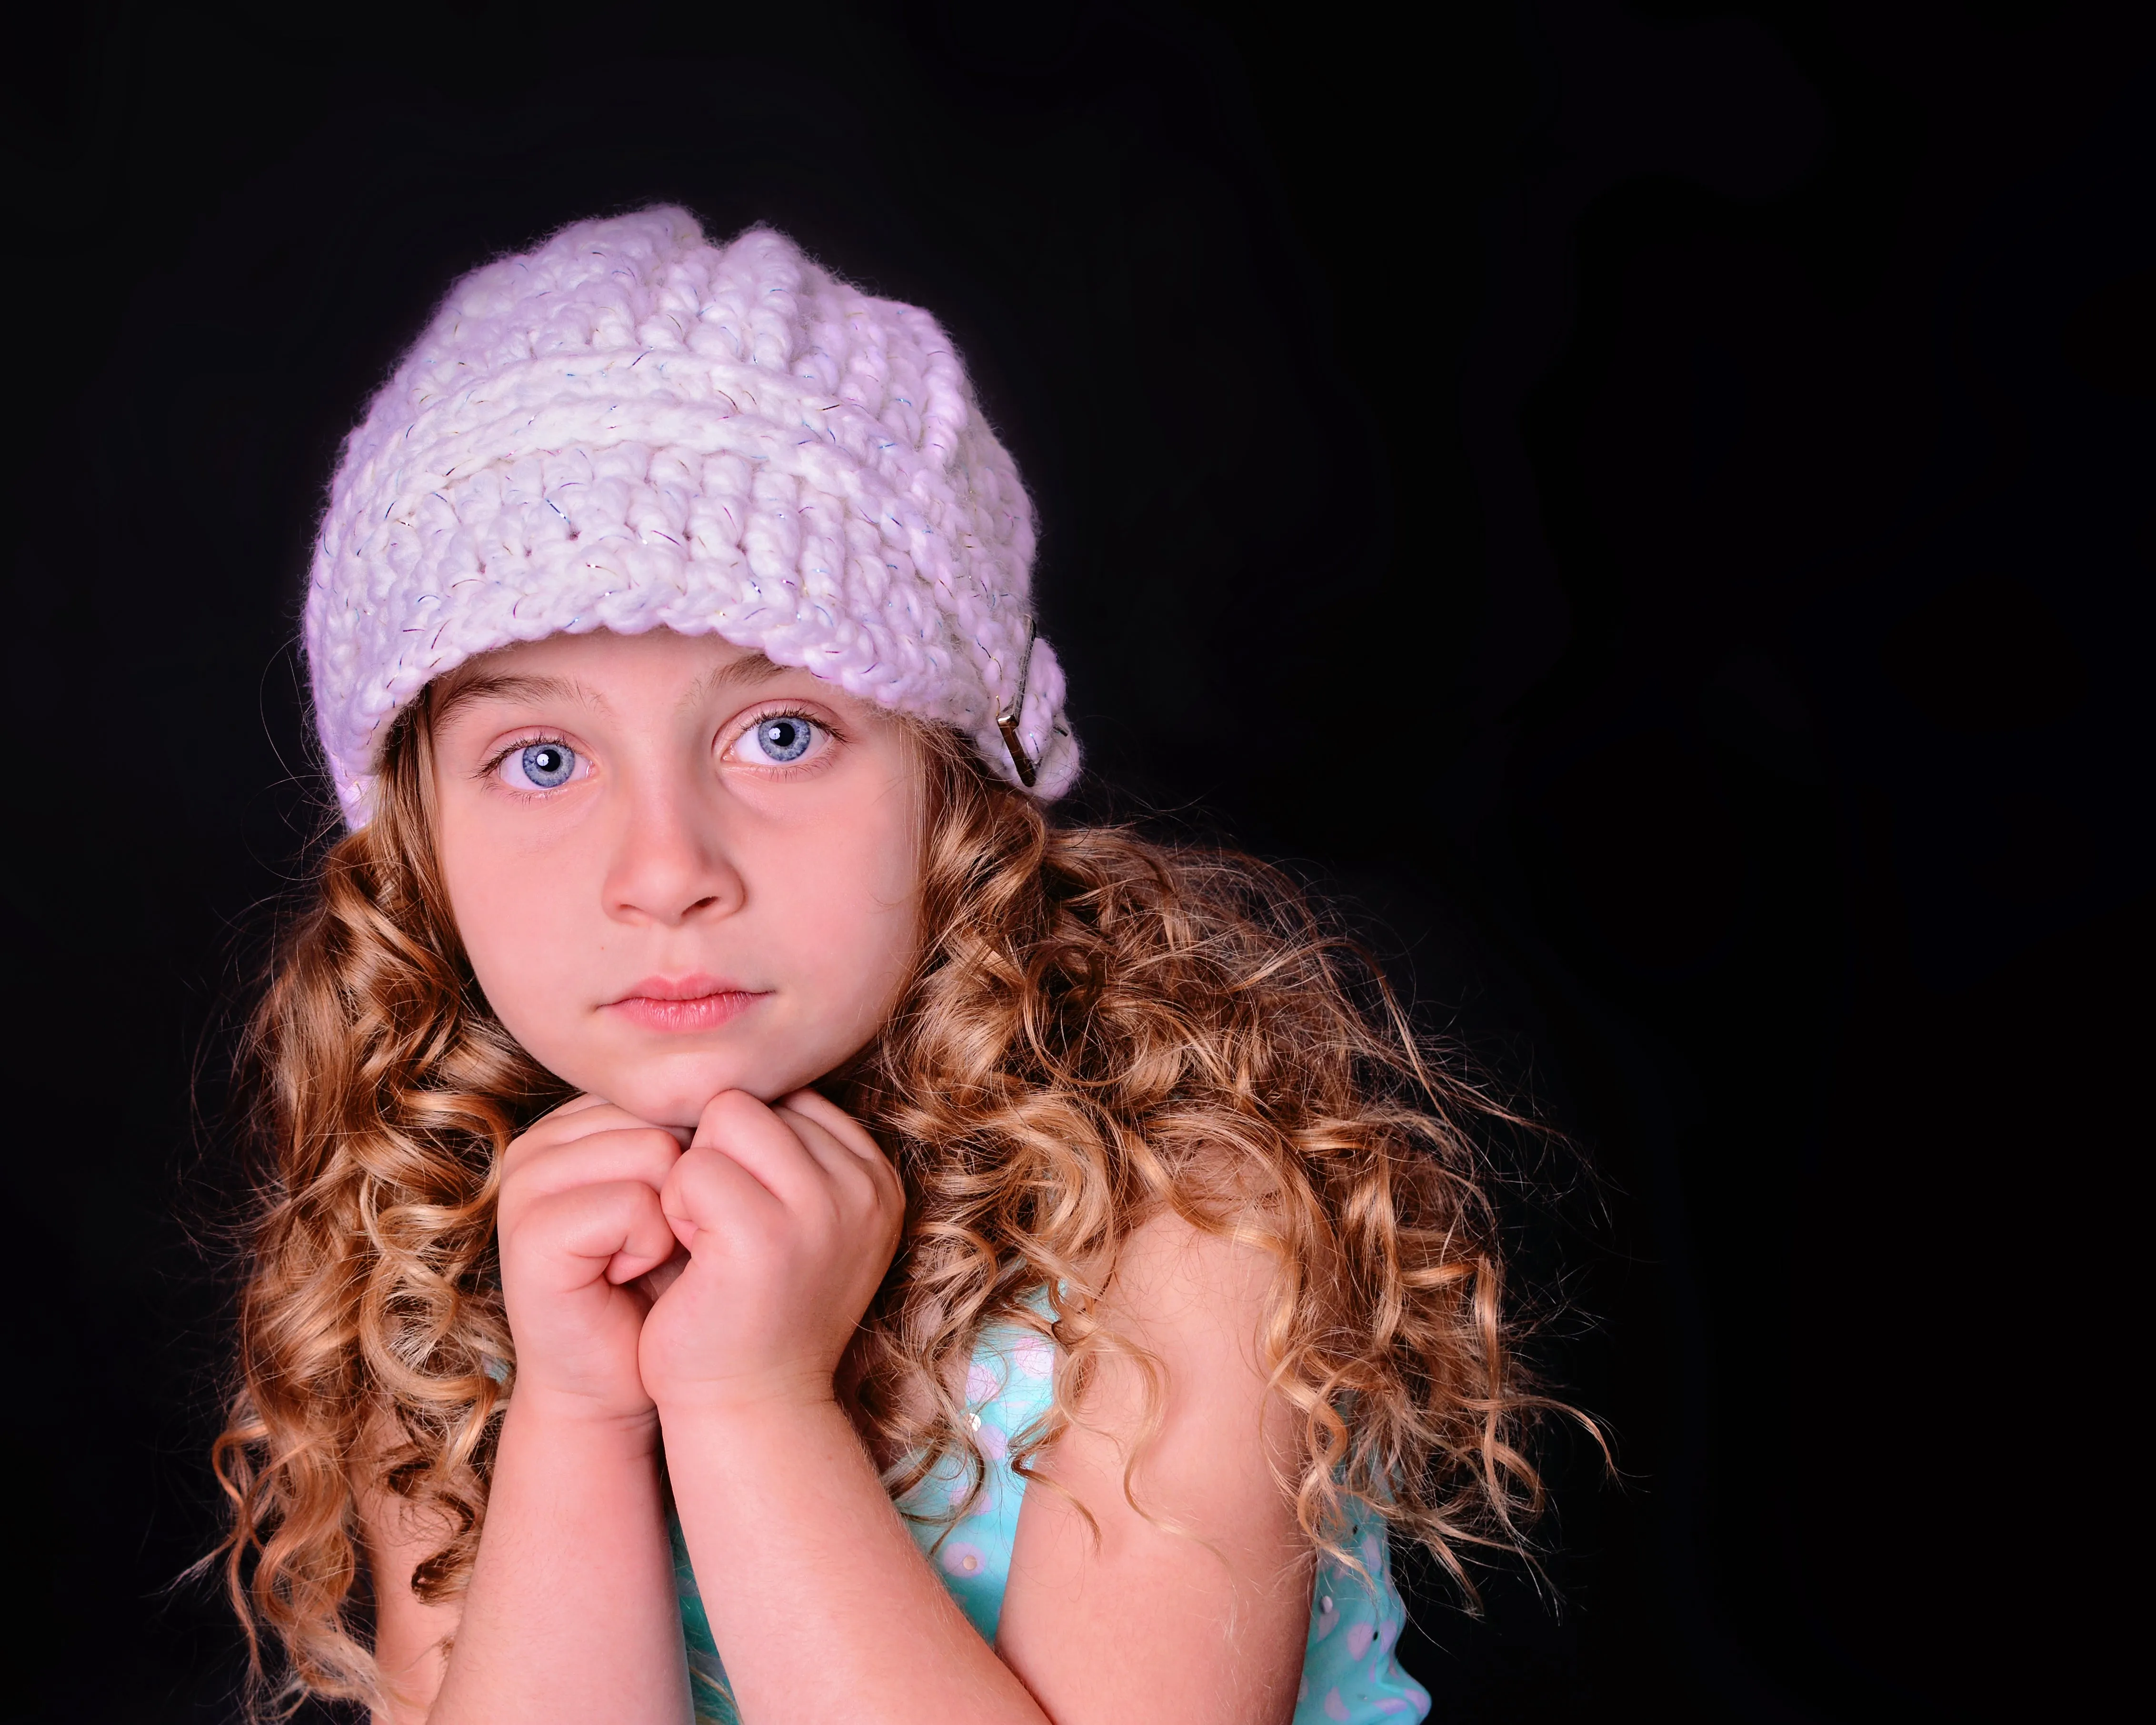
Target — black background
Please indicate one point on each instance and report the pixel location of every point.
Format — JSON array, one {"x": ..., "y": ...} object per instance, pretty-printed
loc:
[{"x": 1652, "y": 503}]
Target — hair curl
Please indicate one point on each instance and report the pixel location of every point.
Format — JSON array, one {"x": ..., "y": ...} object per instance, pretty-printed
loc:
[{"x": 1100, "y": 1028}]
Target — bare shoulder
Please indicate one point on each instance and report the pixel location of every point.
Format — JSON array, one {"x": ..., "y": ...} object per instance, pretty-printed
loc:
[
  {"x": 1194, "y": 1297},
  {"x": 1159, "y": 1569}
]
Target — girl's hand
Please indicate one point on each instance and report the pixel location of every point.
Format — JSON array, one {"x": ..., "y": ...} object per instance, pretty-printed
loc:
[
  {"x": 579, "y": 1223},
  {"x": 790, "y": 1215}
]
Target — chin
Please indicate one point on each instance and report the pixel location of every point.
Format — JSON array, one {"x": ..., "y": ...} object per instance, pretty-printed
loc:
[{"x": 675, "y": 1091}]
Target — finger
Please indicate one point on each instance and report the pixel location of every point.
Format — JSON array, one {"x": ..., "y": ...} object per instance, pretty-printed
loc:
[
  {"x": 851, "y": 1187},
  {"x": 838, "y": 1163},
  {"x": 541, "y": 1144},
  {"x": 605, "y": 1117},
  {"x": 771, "y": 1150},
  {"x": 657, "y": 1281},
  {"x": 642, "y": 1152},
  {"x": 840, "y": 1140},
  {"x": 708, "y": 1192},
  {"x": 616, "y": 1230},
  {"x": 815, "y": 1105},
  {"x": 548, "y": 1128},
  {"x": 648, "y": 1258},
  {"x": 582, "y": 1115}
]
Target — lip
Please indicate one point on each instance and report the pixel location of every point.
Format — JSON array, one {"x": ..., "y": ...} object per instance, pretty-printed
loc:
[{"x": 684, "y": 1004}]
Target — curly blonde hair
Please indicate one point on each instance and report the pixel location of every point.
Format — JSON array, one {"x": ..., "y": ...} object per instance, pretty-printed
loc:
[{"x": 1099, "y": 1028}]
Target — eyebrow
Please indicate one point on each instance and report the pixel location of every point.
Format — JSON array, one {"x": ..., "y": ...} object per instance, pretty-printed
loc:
[
  {"x": 750, "y": 670},
  {"x": 746, "y": 672},
  {"x": 454, "y": 692}
]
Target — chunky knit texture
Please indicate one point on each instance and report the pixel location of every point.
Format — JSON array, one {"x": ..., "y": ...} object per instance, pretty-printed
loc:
[{"x": 631, "y": 428}]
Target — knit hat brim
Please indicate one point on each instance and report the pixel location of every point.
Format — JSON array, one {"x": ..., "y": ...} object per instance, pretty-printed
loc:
[{"x": 634, "y": 430}]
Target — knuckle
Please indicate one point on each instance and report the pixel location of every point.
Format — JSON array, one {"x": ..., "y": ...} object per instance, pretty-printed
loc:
[
  {"x": 862, "y": 1198},
  {"x": 725, "y": 1106},
  {"x": 698, "y": 1170}
]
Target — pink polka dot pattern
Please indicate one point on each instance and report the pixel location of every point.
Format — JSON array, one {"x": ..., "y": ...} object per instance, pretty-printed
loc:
[
  {"x": 1349, "y": 1676},
  {"x": 962, "y": 1556},
  {"x": 1348, "y": 1670}
]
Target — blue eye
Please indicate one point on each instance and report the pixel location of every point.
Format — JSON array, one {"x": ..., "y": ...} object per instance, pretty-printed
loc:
[
  {"x": 782, "y": 738},
  {"x": 546, "y": 765}
]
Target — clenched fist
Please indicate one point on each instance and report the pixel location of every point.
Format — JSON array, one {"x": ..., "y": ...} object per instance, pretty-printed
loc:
[
  {"x": 579, "y": 1223},
  {"x": 790, "y": 1215}
]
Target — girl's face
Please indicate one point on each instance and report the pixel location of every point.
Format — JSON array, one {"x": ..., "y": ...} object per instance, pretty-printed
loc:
[{"x": 676, "y": 868}]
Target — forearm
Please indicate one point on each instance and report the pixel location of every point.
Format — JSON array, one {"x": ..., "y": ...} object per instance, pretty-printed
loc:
[
  {"x": 571, "y": 1615},
  {"x": 821, "y": 1604}
]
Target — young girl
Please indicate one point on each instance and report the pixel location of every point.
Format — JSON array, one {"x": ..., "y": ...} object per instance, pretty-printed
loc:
[{"x": 761, "y": 1221}]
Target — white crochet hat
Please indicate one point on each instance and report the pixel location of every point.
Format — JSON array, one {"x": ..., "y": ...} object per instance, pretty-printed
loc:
[{"x": 631, "y": 429}]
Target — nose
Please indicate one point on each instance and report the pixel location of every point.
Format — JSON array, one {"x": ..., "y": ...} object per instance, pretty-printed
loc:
[{"x": 670, "y": 862}]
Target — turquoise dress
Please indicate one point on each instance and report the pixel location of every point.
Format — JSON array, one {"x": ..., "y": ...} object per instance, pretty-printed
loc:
[{"x": 1348, "y": 1670}]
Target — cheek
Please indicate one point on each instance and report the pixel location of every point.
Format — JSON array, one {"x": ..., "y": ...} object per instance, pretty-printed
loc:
[
  {"x": 508, "y": 909},
  {"x": 852, "y": 913}
]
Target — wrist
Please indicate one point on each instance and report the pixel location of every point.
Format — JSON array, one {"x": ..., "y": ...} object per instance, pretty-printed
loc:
[
  {"x": 564, "y": 1418},
  {"x": 775, "y": 1400},
  {"x": 724, "y": 1456}
]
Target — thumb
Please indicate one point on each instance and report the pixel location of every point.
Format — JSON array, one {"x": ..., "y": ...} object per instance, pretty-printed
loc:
[{"x": 674, "y": 1204}]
